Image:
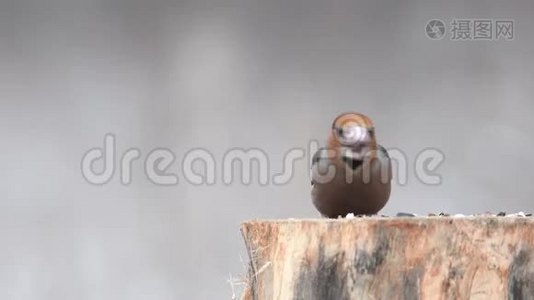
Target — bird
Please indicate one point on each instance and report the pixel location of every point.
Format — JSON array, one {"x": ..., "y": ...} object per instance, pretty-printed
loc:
[{"x": 352, "y": 174}]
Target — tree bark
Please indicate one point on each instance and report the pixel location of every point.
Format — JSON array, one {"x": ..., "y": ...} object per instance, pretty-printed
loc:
[{"x": 391, "y": 258}]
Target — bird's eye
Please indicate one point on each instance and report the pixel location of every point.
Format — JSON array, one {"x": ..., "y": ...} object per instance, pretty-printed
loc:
[{"x": 351, "y": 134}]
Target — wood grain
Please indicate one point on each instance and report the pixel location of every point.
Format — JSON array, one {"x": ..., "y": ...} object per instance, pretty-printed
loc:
[{"x": 391, "y": 258}]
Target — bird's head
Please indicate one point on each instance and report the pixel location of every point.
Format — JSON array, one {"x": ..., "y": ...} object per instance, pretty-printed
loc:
[{"x": 352, "y": 135}]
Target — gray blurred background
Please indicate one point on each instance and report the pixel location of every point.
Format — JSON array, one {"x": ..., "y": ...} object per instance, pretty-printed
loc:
[{"x": 220, "y": 74}]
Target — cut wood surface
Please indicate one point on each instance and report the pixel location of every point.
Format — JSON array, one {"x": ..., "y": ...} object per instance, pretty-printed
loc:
[{"x": 391, "y": 258}]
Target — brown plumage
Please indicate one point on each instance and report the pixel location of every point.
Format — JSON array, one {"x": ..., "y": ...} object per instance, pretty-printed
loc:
[{"x": 353, "y": 174}]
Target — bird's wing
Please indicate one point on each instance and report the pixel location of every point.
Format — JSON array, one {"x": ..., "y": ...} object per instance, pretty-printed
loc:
[
  {"x": 320, "y": 161},
  {"x": 321, "y": 154},
  {"x": 382, "y": 152},
  {"x": 385, "y": 160}
]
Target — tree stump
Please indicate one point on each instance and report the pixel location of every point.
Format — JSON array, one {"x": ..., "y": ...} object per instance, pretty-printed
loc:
[{"x": 391, "y": 258}]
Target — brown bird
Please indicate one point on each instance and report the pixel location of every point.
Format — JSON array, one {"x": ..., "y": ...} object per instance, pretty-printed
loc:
[{"x": 353, "y": 173}]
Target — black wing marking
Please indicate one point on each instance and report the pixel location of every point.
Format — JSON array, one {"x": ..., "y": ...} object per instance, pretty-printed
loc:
[
  {"x": 320, "y": 155},
  {"x": 384, "y": 151},
  {"x": 385, "y": 154}
]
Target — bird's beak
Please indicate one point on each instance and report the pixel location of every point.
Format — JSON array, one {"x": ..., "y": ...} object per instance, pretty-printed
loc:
[
  {"x": 358, "y": 149},
  {"x": 361, "y": 136}
]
